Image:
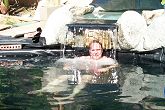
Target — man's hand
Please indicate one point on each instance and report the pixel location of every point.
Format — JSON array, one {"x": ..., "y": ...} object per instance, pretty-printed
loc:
[{"x": 98, "y": 71}]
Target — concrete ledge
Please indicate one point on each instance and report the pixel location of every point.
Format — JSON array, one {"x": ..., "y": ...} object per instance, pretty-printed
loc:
[{"x": 22, "y": 29}]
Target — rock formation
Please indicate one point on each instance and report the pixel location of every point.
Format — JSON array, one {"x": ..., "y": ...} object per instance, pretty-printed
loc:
[
  {"x": 150, "y": 15},
  {"x": 135, "y": 34},
  {"x": 155, "y": 34},
  {"x": 55, "y": 29},
  {"x": 130, "y": 30}
]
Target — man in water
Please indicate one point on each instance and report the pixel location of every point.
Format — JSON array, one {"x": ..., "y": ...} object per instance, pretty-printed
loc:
[
  {"x": 96, "y": 51},
  {"x": 95, "y": 54},
  {"x": 95, "y": 62},
  {"x": 101, "y": 69}
]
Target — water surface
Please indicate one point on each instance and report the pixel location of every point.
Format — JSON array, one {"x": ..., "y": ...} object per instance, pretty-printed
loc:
[{"x": 40, "y": 84}]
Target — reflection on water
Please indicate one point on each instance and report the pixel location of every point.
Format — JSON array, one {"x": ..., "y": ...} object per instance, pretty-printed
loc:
[
  {"x": 14, "y": 86},
  {"x": 43, "y": 85}
]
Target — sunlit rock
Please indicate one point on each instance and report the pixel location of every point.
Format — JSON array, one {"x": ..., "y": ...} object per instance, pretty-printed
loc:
[
  {"x": 131, "y": 28},
  {"x": 55, "y": 29},
  {"x": 155, "y": 34},
  {"x": 43, "y": 5},
  {"x": 134, "y": 34},
  {"x": 78, "y": 11},
  {"x": 151, "y": 15},
  {"x": 78, "y": 3}
]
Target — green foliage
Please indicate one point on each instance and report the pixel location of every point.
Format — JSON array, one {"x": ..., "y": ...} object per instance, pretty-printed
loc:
[
  {"x": 163, "y": 2},
  {"x": 6, "y": 3}
]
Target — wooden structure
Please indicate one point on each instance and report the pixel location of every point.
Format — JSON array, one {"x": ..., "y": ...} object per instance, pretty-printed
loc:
[{"x": 84, "y": 33}]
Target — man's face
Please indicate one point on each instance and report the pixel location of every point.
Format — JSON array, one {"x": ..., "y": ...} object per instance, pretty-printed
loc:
[{"x": 95, "y": 51}]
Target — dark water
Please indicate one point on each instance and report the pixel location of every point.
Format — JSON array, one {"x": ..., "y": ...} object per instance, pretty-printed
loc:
[{"x": 38, "y": 84}]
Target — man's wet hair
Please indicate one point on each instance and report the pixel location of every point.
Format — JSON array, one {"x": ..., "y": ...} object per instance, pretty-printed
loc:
[{"x": 95, "y": 41}]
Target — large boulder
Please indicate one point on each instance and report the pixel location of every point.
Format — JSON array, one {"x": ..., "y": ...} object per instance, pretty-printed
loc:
[
  {"x": 134, "y": 34},
  {"x": 155, "y": 34},
  {"x": 43, "y": 10},
  {"x": 131, "y": 28},
  {"x": 150, "y": 15},
  {"x": 55, "y": 28}
]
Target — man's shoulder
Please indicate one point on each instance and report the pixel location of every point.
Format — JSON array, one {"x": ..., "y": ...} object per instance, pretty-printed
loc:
[{"x": 108, "y": 59}]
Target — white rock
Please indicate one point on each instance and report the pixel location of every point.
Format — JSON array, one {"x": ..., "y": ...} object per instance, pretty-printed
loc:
[
  {"x": 41, "y": 4},
  {"x": 131, "y": 26},
  {"x": 55, "y": 28},
  {"x": 79, "y": 3},
  {"x": 151, "y": 15},
  {"x": 155, "y": 34}
]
